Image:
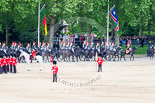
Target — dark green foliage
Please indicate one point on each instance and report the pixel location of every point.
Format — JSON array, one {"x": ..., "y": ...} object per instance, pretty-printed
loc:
[{"x": 20, "y": 16}]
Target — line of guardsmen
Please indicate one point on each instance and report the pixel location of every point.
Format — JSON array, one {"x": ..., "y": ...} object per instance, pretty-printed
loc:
[{"x": 8, "y": 64}]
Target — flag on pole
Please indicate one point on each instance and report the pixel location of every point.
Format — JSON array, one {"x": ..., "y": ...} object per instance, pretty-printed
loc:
[
  {"x": 43, "y": 17},
  {"x": 114, "y": 18}
]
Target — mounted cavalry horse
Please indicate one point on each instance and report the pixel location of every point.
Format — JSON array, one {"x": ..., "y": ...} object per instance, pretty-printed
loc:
[
  {"x": 44, "y": 52},
  {"x": 151, "y": 51},
  {"x": 114, "y": 52},
  {"x": 131, "y": 53},
  {"x": 27, "y": 59}
]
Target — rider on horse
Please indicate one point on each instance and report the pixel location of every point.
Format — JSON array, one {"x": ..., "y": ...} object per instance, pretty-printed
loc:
[
  {"x": 97, "y": 47},
  {"x": 34, "y": 45},
  {"x": 92, "y": 46},
  {"x": 60, "y": 46},
  {"x": 39, "y": 47},
  {"x": 4, "y": 46},
  {"x": 19, "y": 46},
  {"x": 102, "y": 44},
  {"x": 43, "y": 46},
  {"x": 47, "y": 47},
  {"x": 33, "y": 54},
  {"x": 128, "y": 49},
  {"x": 87, "y": 45},
  {"x": 28, "y": 47},
  {"x": 83, "y": 45}
]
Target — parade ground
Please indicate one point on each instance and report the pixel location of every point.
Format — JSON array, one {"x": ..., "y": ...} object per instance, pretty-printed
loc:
[{"x": 79, "y": 82}]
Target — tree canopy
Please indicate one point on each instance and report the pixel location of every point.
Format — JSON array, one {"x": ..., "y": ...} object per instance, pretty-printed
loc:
[{"x": 19, "y": 18}]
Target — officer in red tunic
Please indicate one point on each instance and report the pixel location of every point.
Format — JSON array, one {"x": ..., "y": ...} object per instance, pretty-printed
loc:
[
  {"x": 7, "y": 62},
  {"x": 10, "y": 63},
  {"x": 14, "y": 64},
  {"x": 55, "y": 70},
  {"x": 33, "y": 54},
  {"x": 100, "y": 61},
  {"x": 1, "y": 65}
]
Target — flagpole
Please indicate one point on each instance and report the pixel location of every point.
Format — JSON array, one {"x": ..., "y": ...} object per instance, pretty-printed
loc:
[
  {"x": 42, "y": 7},
  {"x": 112, "y": 8},
  {"x": 38, "y": 24},
  {"x": 108, "y": 26}
]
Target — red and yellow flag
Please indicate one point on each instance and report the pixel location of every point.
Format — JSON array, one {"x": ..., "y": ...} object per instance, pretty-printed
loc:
[{"x": 43, "y": 17}]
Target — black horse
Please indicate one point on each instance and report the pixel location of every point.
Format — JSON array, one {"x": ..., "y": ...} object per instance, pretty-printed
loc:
[
  {"x": 92, "y": 54},
  {"x": 77, "y": 53},
  {"x": 131, "y": 53},
  {"x": 103, "y": 53},
  {"x": 86, "y": 55},
  {"x": 66, "y": 54},
  {"x": 115, "y": 53},
  {"x": 44, "y": 54},
  {"x": 151, "y": 52}
]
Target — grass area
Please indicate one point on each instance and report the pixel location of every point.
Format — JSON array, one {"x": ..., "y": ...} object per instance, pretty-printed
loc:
[{"x": 140, "y": 50}]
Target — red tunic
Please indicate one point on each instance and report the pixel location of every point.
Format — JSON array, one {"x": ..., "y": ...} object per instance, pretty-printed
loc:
[
  {"x": 11, "y": 61},
  {"x": 128, "y": 42},
  {"x": 100, "y": 61},
  {"x": 33, "y": 53},
  {"x": 1, "y": 62},
  {"x": 4, "y": 61},
  {"x": 7, "y": 61},
  {"x": 14, "y": 62},
  {"x": 55, "y": 69}
]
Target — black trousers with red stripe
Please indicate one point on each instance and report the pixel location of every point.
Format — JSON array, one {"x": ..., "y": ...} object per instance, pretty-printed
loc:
[
  {"x": 15, "y": 70},
  {"x": 7, "y": 68},
  {"x": 10, "y": 68},
  {"x": 1, "y": 70},
  {"x": 100, "y": 68},
  {"x": 4, "y": 69},
  {"x": 54, "y": 77}
]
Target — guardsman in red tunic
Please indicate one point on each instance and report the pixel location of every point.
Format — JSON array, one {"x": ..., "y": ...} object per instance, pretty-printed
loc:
[
  {"x": 55, "y": 70},
  {"x": 100, "y": 61},
  {"x": 14, "y": 64},
  {"x": 4, "y": 65},
  {"x": 33, "y": 55},
  {"x": 11, "y": 62},
  {"x": 1, "y": 63},
  {"x": 7, "y": 62}
]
